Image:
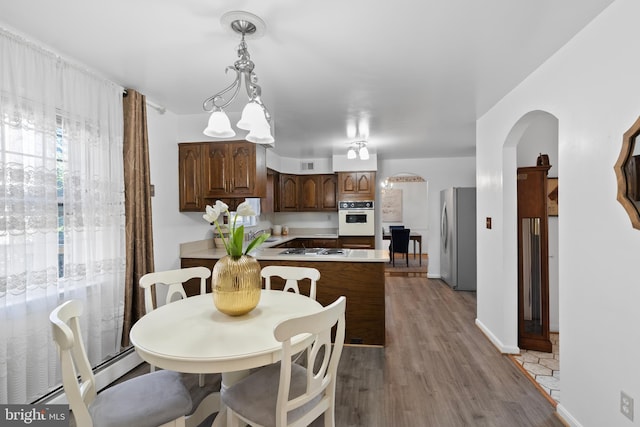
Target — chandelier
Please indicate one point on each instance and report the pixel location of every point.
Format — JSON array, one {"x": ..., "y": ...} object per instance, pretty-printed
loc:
[
  {"x": 358, "y": 149},
  {"x": 255, "y": 116}
]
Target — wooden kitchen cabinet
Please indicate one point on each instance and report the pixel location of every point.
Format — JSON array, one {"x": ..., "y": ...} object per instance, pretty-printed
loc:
[
  {"x": 362, "y": 283},
  {"x": 308, "y": 193},
  {"x": 190, "y": 177},
  {"x": 289, "y": 188},
  {"x": 317, "y": 193},
  {"x": 357, "y": 242},
  {"x": 232, "y": 170},
  {"x": 356, "y": 185},
  {"x": 220, "y": 170},
  {"x": 271, "y": 201}
]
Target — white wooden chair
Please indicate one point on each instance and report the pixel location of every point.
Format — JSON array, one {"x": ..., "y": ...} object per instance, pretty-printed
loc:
[
  {"x": 286, "y": 393},
  {"x": 291, "y": 275},
  {"x": 156, "y": 399},
  {"x": 175, "y": 280}
]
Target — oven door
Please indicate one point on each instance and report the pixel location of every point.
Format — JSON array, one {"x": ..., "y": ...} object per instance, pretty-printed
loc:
[{"x": 356, "y": 223}]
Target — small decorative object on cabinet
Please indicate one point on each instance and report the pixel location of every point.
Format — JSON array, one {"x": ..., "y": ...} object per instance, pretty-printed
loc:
[
  {"x": 235, "y": 278},
  {"x": 627, "y": 170}
]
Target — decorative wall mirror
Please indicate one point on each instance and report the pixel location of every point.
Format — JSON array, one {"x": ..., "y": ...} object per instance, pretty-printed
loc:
[{"x": 627, "y": 170}]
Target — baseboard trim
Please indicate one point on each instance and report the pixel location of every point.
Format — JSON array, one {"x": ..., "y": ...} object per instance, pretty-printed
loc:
[
  {"x": 566, "y": 417},
  {"x": 105, "y": 375},
  {"x": 533, "y": 380},
  {"x": 495, "y": 341}
]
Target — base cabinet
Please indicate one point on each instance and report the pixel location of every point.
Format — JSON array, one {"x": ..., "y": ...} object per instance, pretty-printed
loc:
[
  {"x": 357, "y": 242},
  {"x": 362, "y": 283}
]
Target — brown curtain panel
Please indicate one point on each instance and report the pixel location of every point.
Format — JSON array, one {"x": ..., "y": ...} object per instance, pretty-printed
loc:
[{"x": 137, "y": 195}]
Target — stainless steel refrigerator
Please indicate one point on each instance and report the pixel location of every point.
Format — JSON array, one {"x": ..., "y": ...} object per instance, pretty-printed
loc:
[{"x": 458, "y": 237}]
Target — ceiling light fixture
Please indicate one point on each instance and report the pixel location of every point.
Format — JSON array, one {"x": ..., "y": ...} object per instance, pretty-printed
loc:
[
  {"x": 358, "y": 149},
  {"x": 255, "y": 116}
]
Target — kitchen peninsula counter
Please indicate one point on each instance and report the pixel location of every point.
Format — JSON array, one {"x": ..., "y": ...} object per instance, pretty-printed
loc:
[
  {"x": 205, "y": 249},
  {"x": 358, "y": 275}
]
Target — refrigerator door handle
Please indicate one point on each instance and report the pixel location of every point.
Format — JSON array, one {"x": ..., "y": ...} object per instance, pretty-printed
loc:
[{"x": 444, "y": 227}]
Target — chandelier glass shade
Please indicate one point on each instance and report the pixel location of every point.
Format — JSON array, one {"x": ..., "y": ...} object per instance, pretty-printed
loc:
[
  {"x": 255, "y": 116},
  {"x": 358, "y": 149}
]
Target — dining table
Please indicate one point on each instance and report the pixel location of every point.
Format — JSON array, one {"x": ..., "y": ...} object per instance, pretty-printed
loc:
[{"x": 192, "y": 336}]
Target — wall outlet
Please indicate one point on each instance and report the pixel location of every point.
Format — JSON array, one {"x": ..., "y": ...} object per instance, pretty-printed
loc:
[{"x": 626, "y": 405}]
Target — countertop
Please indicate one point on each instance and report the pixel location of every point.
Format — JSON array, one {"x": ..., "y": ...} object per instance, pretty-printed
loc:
[{"x": 204, "y": 249}]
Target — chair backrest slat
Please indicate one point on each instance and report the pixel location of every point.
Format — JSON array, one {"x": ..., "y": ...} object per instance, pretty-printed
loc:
[
  {"x": 175, "y": 279},
  {"x": 291, "y": 275}
]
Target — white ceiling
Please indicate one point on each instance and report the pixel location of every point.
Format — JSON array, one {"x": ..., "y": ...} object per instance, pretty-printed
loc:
[{"x": 419, "y": 72}]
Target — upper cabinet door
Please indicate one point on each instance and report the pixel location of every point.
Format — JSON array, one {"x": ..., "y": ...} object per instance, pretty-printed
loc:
[
  {"x": 243, "y": 168},
  {"x": 356, "y": 185},
  {"x": 190, "y": 173},
  {"x": 309, "y": 189},
  {"x": 288, "y": 193},
  {"x": 328, "y": 193},
  {"x": 216, "y": 170}
]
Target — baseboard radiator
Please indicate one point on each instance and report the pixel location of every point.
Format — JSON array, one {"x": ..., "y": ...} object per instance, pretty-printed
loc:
[{"x": 105, "y": 373}]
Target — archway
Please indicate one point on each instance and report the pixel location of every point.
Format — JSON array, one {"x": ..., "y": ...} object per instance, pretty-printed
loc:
[
  {"x": 404, "y": 201},
  {"x": 534, "y": 133}
]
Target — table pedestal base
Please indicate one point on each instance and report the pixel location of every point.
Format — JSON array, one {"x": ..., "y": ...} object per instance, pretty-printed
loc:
[{"x": 228, "y": 379}]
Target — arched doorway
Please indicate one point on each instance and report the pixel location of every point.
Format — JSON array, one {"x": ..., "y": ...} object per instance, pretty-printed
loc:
[
  {"x": 534, "y": 133},
  {"x": 404, "y": 198}
]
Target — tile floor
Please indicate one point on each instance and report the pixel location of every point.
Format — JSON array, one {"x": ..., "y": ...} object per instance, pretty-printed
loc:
[{"x": 544, "y": 368}]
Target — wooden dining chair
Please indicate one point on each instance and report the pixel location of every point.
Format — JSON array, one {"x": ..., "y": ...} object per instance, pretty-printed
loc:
[
  {"x": 287, "y": 393},
  {"x": 162, "y": 398},
  {"x": 399, "y": 244},
  {"x": 292, "y": 276}
]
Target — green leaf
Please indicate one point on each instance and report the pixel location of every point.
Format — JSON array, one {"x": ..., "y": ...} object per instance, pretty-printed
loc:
[
  {"x": 257, "y": 242},
  {"x": 235, "y": 241}
]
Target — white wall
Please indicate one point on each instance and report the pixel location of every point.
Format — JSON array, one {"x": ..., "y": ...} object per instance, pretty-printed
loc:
[
  {"x": 170, "y": 226},
  {"x": 440, "y": 173},
  {"x": 590, "y": 85}
]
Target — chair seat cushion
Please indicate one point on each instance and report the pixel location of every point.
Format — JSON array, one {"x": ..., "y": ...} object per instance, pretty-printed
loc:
[
  {"x": 145, "y": 401},
  {"x": 255, "y": 397}
]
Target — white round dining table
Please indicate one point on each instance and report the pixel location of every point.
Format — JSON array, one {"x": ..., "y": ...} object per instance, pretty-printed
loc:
[{"x": 192, "y": 336}]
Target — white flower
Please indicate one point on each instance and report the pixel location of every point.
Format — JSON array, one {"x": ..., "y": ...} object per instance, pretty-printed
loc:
[
  {"x": 221, "y": 206},
  {"x": 233, "y": 239},
  {"x": 245, "y": 209},
  {"x": 212, "y": 214}
]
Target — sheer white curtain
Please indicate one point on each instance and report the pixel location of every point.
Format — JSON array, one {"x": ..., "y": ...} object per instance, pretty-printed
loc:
[{"x": 62, "y": 228}]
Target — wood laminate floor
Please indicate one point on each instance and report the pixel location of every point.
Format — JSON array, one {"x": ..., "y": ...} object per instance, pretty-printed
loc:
[{"x": 437, "y": 370}]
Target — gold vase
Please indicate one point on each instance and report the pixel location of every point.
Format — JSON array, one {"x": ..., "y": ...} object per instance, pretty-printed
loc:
[{"x": 236, "y": 284}]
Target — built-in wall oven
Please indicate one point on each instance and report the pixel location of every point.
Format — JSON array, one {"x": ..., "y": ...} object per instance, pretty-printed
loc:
[{"x": 356, "y": 218}]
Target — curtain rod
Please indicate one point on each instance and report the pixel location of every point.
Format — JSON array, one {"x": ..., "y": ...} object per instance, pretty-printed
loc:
[{"x": 159, "y": 108}]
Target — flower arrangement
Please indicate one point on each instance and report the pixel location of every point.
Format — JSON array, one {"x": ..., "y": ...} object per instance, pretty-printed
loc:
[{"x": 233, "y": 243}]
